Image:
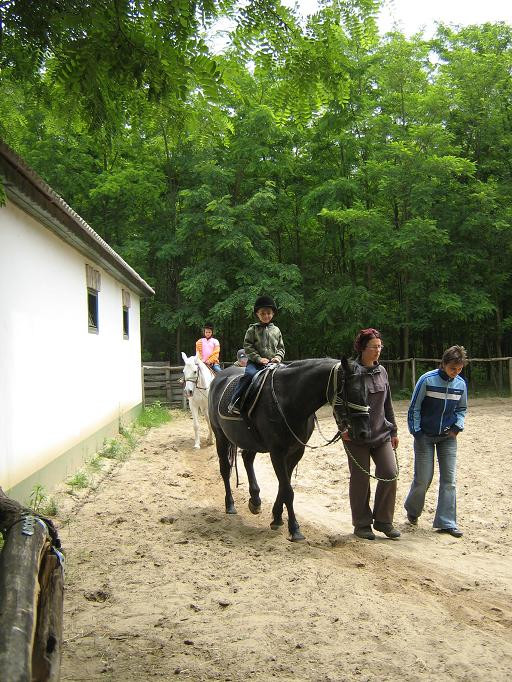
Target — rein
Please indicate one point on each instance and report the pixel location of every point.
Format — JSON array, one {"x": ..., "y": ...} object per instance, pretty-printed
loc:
[{"x": 336, "y": 400}]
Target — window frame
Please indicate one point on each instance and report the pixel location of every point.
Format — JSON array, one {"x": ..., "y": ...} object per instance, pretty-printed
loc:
[
  {"x": 126, "y": 323},
  {"x": 92, "y": 311}
]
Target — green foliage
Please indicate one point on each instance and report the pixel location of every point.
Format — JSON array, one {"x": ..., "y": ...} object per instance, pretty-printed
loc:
[
  {"x": 41, "y": 503},
  {"x": 94, "y": 464},
  {"x": 78, "y": 481},
  {"x": 361, "y": 181},
  {"x": 153, "y": 415},
  {"x": 113, "y": 448}
]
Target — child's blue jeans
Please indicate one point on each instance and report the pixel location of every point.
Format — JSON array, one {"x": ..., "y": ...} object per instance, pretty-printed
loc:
[{"x": 243, "y": 383}]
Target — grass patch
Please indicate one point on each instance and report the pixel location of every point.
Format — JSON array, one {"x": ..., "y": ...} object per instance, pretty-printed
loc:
[
  {"x": 129, "y": 434},
  {"x": 118, "y": 448},
  {"x": 153, "y": 415},
  {"x": 79, "y": 480},
  {"x": 94, "y": 464},
  {"x": 42, "y": 503},
  {"x": 115, "y": 448}
]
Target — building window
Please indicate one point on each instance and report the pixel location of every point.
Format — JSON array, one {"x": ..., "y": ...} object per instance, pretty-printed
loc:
[
  {"x": 92, "y": 305},
  {"x": 93, "y": 286},
  {"x": 126, "y": 314},
  {"x": 126, "y": 323}
]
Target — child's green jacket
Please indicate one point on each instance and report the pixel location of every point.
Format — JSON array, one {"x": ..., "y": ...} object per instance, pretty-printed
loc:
[{"x": 263, "y": 341}]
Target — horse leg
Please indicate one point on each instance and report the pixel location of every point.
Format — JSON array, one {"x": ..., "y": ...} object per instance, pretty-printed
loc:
[
  {"x": 283, "y": 464},
  {"x": 209, "y": 440},
  {"x": 277, "y": 509},
  {"x": 223, "y": 447},
  {"x": 195, "y": 417},
  {"x": 254, "y": 489},
  {"x": 277, "y": 513}
]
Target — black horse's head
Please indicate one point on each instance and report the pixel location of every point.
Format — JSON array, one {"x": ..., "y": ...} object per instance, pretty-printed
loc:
[{"x": 351, "y": 401}]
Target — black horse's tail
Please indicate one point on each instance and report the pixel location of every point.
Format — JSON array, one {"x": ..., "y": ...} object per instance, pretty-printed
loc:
[{"x": 232, "y": 457}]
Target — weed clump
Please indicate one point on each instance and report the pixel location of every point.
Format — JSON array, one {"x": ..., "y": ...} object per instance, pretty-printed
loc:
[
  {"x": 42, "y": 503},
  {"x": 153, "y": 415}
]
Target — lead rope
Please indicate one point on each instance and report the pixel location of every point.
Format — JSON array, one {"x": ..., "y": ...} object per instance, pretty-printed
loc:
[
  {"x": 376, "y": 478},
  {"x": 337, "y": 435}
]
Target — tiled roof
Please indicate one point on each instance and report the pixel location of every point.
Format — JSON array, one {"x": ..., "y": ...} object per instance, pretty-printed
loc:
[{"x": 24, "y": 186}]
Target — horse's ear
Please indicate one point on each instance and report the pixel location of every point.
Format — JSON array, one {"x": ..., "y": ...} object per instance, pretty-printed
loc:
[
  {"x": 344, "y": 363},
  {"x": 184, "y": 356}
]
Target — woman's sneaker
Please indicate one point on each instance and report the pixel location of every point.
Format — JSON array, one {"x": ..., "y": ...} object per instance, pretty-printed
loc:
[
  {"x": 454, "y": 532},
  {"x": 388, "y": 530},
  {"x": 364, "y": 532}
]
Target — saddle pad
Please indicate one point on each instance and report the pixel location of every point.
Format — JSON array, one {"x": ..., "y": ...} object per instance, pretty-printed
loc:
[{"x": 225, "y": 399}]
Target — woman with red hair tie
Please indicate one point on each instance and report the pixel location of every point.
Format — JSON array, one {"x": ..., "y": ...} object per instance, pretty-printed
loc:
[{"x": 380, "y": 447}]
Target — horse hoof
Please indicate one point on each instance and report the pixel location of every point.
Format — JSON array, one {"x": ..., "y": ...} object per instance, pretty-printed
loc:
[
  {"x": 296, "y": 536},
  {"x": 254, "y": 508},
  {"x": 197, "y": 447},
  {"x": 231, "y": 510},
  {"x": 276, "y": 523}
]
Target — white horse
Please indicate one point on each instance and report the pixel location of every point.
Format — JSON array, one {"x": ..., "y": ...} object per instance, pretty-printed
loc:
[{"x": 197, "y": 386}]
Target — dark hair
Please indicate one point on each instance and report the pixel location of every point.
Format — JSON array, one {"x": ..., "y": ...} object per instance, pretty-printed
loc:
[
  {"x": 456, "y": 355},
  {"x": 207, "y": 325},
  {"x": 362, "y": 338}
]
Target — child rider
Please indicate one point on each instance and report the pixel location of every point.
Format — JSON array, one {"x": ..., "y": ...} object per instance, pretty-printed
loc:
[{"x": 263, "y": 344}]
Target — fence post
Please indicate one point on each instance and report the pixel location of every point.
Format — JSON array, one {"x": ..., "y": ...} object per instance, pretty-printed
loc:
[
  {"x": 510, "y": 375},
  {"x": 168, "y": 386},
  {"x": 413, "y": 372}
]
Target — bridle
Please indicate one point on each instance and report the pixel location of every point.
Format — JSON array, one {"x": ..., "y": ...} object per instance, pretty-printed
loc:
[
  {"x": 195, "y": 382},
  {"x": 340, "y": 398}
]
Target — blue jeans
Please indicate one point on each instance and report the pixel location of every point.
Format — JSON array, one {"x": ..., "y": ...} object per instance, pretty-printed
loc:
[
  {"x": 446, "y": 448},
  {"x": 250, "y": 370}
]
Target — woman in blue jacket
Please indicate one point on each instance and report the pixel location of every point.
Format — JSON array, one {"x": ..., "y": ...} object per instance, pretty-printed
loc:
[{"x": 435, "y": 419}]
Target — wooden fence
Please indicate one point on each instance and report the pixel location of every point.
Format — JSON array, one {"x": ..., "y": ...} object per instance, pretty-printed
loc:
[
  {"x": 409, "y": 369},
  {"x": 163, "y": 382}
]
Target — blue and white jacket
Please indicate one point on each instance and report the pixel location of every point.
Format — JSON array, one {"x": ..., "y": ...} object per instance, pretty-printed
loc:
[{"x": 438, "y": 404}]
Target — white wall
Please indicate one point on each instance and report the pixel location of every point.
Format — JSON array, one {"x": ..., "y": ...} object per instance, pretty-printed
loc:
[{"x": 58, "y": 383}]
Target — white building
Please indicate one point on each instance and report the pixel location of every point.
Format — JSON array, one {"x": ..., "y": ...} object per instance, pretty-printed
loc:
[{"x": 70, "y": 356}]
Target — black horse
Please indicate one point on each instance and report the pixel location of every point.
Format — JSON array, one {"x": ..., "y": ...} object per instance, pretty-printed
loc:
[{"x": 282, "y": 421}]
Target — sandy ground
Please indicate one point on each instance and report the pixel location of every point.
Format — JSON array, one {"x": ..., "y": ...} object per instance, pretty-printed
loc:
[{"x": 162, "y": 584}]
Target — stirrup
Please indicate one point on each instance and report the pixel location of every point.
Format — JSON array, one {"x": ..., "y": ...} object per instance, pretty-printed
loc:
[{"x": 233, "y": 407}]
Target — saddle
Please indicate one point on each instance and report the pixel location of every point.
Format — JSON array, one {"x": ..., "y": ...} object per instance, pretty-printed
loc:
[{"x": 249, "y": 399}]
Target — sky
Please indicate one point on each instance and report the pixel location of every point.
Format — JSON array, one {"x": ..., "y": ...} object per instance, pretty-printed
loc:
[{"x": 411, "y": 16}]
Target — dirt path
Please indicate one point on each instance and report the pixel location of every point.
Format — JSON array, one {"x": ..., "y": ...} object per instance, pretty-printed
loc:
[{"x": 161, "y": 584}]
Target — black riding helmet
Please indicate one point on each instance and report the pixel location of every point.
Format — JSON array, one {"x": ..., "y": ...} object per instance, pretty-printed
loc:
[{"x": 265, "y": 302}]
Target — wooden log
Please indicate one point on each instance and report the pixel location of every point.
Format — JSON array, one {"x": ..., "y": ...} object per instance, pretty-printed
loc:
[
  {"x": 46, "y": 655},
  {"x": 31, "y": 595},
  {"x": 19, "y": 593}
]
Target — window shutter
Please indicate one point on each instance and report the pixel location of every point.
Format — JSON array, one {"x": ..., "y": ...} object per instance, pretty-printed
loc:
[{"x": 93, "y": 278}]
